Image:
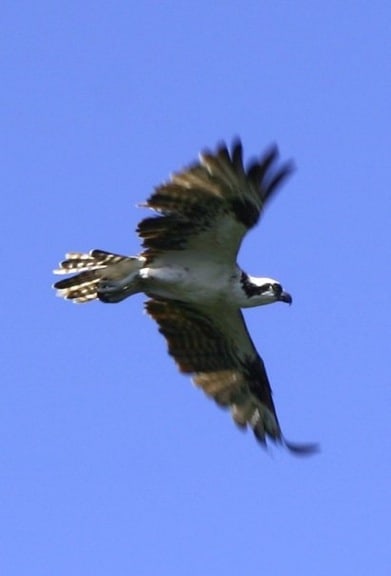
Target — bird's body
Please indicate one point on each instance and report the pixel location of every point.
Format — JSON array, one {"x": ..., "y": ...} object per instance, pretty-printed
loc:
[{"x": 195, "y": 287}]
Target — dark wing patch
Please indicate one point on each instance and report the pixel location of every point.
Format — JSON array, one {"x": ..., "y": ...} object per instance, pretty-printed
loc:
[
  {"x": 192, "y": 337},
  {"x": 201, "y": 347},
  {"x": 217, "y": 193}
]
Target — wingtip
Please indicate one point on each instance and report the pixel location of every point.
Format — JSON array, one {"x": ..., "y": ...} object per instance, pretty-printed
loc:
[
  {"x": 297, "y": 449},
  {"x": 301, "y": 449}
]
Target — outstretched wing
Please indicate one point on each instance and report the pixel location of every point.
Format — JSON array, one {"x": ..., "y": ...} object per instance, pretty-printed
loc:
[
  {"x": 215, "y": 347},
  {"x": 209, "y": 206}
]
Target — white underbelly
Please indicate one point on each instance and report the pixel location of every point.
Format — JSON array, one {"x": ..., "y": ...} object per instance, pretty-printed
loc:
[{"x": 180, "y": 283}]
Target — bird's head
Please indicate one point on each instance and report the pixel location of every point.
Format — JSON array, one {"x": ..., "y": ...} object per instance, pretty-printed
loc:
[{"x": 259, "y": 291}]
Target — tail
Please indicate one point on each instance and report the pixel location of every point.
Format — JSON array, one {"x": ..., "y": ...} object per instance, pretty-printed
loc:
[{"x": 103, "y": 275}]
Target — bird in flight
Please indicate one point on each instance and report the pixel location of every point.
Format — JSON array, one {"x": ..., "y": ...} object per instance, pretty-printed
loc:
[{"x": 195, "y": 288}]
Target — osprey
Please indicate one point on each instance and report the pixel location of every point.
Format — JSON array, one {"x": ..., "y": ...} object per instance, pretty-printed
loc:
[{"x": 195, "y": 287}]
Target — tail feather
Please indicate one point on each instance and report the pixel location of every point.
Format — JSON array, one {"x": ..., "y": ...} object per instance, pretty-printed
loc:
[
  {"x": 93, "y": 270},
  {"x": 80, "y": 288},
  {"x": 94, "y": 260}
]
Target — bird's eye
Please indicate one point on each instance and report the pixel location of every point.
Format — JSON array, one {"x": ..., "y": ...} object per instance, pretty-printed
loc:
[{"x": 277, "y": 289}]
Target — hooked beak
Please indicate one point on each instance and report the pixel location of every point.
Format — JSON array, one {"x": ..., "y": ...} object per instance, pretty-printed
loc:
[{"x": 285, "y": 297}]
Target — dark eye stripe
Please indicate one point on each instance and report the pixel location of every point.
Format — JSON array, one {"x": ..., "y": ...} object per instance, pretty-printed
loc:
[
  {"x": 252, "y": 289},
  {"x": 277, "y": 289}
]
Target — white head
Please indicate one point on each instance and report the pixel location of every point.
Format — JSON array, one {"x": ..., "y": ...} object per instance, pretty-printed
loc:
[{"x": 260, "y": 291}]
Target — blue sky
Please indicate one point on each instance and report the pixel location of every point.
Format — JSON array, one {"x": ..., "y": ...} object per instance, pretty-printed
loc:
[{"x": 110, "y": 461}]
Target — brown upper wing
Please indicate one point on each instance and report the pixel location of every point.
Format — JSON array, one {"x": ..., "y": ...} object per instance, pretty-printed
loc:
[
  {"x": 212, "y": 203},
  {"x": 215, "y": 347}
]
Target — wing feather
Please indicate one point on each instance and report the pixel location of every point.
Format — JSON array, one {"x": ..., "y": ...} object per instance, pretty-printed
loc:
[
  {"x": 216, "y": 200},
  {"x": 215, "y": 347}
]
